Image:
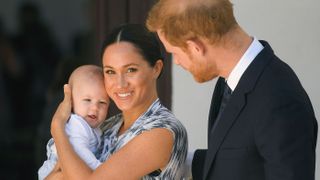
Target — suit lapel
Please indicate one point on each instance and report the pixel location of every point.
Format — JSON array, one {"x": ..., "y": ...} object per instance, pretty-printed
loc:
[{"x": 235, "y": 105}]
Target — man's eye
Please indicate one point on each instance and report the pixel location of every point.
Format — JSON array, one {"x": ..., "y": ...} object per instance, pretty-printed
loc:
[
  {"x": 131, "y": 70},
  {"x": 87, "y": 100}
]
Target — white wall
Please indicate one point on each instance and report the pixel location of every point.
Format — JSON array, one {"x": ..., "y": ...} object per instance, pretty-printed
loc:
[{"x": 291, "y": 27}]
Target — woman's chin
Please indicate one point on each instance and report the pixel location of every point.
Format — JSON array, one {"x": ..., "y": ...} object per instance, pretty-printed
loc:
[{"x": 122, "y": 106}]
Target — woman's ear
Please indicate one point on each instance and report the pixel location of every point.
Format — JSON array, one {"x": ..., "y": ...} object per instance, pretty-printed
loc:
[
  {"x": 158, "y": 68},
  {"x": 196, "y": 47}
]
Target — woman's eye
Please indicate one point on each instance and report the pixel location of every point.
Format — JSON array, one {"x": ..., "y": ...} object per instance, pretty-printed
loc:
[
  {"x": 131, "y": 70},
  {"x": 109, "y": 72},
  {"x": 87, "y": 100}
]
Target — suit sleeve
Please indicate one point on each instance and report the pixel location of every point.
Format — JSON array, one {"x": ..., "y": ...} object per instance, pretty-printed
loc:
[
  {"x": 198, "y": 163},
  {"x": 285, "y": 138}
]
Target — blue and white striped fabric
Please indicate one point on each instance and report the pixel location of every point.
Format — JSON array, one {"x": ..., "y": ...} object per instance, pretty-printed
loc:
[{"x": 157, "y": 116}]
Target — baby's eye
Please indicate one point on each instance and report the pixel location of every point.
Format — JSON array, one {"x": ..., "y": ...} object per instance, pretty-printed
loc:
[
  {"x": 87, "y": 100},
  {"x": 132, "y": 70},
  {"x": 103, "y": 102}
]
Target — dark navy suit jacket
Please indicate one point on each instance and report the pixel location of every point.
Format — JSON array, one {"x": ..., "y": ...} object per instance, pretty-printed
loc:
[{"x": 267, "y": 131}]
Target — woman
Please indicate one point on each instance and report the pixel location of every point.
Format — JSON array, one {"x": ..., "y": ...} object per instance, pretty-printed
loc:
[{"x": 145, "y": 141}]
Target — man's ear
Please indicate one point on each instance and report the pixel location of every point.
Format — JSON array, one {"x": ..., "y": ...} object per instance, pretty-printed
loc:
[{"x": 196, "y": 46}]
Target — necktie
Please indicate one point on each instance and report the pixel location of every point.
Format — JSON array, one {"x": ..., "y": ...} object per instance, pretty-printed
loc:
[{"x": 225, "y": 98}]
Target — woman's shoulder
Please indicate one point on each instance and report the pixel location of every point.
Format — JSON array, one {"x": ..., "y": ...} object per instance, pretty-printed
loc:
[{"x": 163, "y": 118}]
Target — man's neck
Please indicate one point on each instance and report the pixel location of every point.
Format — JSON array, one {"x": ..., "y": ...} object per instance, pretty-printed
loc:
[{"x": 229, "y": 52}]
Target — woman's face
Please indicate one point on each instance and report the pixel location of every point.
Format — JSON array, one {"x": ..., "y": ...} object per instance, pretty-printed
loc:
[{"x": 129, "y": 80}]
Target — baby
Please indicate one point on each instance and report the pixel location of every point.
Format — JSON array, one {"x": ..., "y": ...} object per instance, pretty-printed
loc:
[{"x": 90, "y": 108}]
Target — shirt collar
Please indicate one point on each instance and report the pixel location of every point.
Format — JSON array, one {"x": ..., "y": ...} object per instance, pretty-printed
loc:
[{"x": 236, "y": 73}]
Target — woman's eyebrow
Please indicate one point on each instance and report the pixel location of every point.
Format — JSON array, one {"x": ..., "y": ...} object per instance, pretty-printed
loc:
[{"x": 127, "y": 65}]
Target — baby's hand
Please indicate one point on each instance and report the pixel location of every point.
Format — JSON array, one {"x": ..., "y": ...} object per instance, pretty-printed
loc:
[{"x": 63, "y": 111}]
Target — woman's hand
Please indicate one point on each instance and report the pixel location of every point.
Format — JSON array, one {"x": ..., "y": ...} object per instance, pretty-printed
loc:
[
  {"x": 56, "y": 173},
  {"x": 63, "y": 111}
]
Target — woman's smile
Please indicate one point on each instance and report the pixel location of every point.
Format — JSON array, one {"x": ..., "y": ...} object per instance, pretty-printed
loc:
[{"x": 124, "y": 95}]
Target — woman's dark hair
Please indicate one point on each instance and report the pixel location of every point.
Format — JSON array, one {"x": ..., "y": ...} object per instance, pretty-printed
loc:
[{"x": 139, "y": 36}]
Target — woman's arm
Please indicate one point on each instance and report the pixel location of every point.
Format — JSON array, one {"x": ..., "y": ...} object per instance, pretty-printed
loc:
[{"x": 145, "y": 153}]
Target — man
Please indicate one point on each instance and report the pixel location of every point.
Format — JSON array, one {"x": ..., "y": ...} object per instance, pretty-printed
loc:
[{"x": 261, "y": 122}]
